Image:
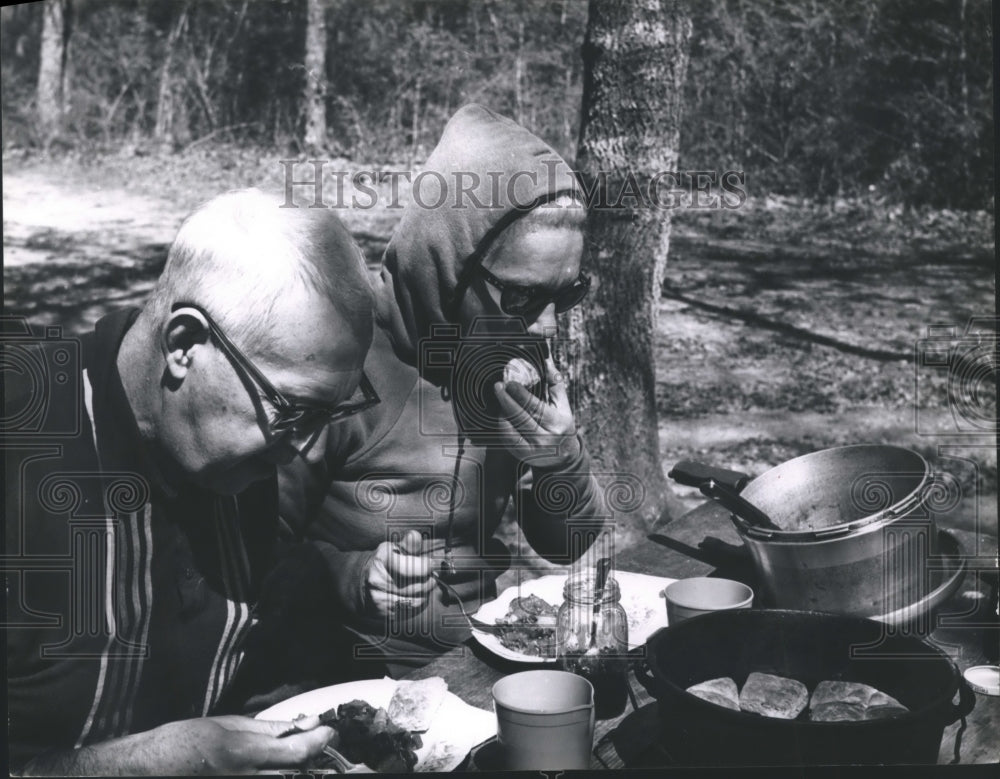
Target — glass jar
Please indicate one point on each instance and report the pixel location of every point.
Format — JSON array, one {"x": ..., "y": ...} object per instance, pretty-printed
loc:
[{"x": 595, "y": 645}]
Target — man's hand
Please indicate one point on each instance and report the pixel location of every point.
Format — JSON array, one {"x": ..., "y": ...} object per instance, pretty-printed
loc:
[
  {"x": 535, "y": 430},
  {"x": 399, "y": 577},
  {"x": 210, "y": 745}
]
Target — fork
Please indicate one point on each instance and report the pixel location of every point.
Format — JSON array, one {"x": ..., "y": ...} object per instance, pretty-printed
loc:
[
  {"x": 475, "y": 624},
  {"x": 341, "y": 765},
  {"x": 344, "y": 766}
]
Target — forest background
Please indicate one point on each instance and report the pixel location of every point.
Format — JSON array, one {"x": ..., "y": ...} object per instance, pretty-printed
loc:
[
  {"x": 795, "y": 322},
  {"x": 814, "y": 98}
]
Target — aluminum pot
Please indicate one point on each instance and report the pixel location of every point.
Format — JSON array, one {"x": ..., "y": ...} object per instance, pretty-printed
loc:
[
  {"x": 851, "y": 530},
  {"x": 810, "y": 648}
]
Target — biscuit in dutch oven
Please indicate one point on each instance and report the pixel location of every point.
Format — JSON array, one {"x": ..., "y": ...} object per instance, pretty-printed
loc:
[
  {"x": 834, "y": 701},
  {"x": 773, "y": 696},
  {"x": 721, "y": 692}
]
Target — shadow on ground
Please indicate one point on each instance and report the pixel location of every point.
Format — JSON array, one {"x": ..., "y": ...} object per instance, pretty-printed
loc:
[{"x": 78, "y": 282}]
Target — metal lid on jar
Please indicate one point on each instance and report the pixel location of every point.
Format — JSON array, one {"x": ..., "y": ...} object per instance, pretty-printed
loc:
[{"x": 984, "y": 679}]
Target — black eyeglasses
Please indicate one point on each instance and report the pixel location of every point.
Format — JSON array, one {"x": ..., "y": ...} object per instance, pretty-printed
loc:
[
  {"x": 293, "y": 414},
  {"x": 519, "y": 300}
]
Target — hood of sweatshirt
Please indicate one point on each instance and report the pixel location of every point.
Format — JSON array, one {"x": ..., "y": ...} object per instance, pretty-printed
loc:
[{"x": 485, "y": 172}]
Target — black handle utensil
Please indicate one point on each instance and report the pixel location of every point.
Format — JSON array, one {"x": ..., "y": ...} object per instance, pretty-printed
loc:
[
  {"x": 695, "y": 474},
  {"x": 603, "y": 566},
  {"x": 724, "y": 486},
  {"x": 737, "y": 504}
]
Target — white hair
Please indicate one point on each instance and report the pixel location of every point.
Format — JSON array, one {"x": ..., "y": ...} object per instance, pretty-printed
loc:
[{"x": 241, "y": 252}]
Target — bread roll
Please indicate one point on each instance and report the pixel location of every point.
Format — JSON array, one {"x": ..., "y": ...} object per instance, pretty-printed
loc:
[
  {"x": 522, "y": 372},
  {"x": 415, "y": 703},
  {"x": 773, "y": 696},
  {"x": 721, "y": 692},
  {"x": 834, "y": 701}
]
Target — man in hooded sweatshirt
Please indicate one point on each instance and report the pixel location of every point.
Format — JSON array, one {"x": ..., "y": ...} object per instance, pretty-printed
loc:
[{"x": 487, "y": 253}]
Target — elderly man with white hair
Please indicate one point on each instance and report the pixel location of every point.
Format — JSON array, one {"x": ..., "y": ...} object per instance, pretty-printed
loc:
[{"x": 158, "y": 493}]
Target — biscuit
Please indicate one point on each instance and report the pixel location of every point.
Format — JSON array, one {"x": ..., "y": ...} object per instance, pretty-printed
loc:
[
  {"x": 721, "y": 692},
  {"x": 835, "y": 701},
  {"x": 773, "y": 696},
  {"x": 414, "y": 703},
  {"x": 522, "y": 372}
]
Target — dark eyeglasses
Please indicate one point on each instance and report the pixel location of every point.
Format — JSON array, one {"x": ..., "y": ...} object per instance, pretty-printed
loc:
[
  {"x": 519, "y": 300},
  {"x": 296, "y": 414}
]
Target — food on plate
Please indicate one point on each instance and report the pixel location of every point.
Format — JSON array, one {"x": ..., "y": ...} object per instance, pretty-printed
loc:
[
  {"x": 522, "y": 372},
  {"x": 414, "y": 704},
  {"x": 721, "y": 692},
  {"x": 365, "y": 734},
  {"x": 529, "y": 608},
  {"x": 532, "y": 627},
  {"x": 773, "y": 696},
  {"x": 834, "y": 701}
]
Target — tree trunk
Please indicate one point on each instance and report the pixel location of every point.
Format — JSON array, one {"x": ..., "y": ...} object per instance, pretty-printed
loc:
[
  {"x": 51, "y": 94},
  {"x": 962, "y": 57},
  {"x": 163, "y": 130},
  {"x": 635, "y": 58},
  {"x": 315, "y": 87},
  {"x": 415, "y": 118},
  {"x": 567, "y": 119},
  {"x": 519, "y": 76}
]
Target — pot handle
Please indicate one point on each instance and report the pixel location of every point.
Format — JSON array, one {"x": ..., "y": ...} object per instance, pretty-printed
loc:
[
  {"x": 966, "y": 702},
  {"x": 645, "y": 677},
  {"x": 695, "y": 474}
]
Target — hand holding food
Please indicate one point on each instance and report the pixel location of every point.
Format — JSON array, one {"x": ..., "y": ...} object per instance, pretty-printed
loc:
[
  {"x": 383, "y": 738},
  {"x": 364, "y": 734},
  {"x": 542, "y": 430},
  {"x": 233, "y": 744},
  {"x": 399, "y": 576},
  {"x": 191, "y": 747},
  {"x": 522, "y": 372}
]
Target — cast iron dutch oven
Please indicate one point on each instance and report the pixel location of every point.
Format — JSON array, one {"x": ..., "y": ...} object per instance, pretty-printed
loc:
[{"x": 810, "y": 647}]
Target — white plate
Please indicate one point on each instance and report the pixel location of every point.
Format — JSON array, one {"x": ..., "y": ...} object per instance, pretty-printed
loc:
[
  {"x": 456, "y": 729},
  {"x": 641, "y": 600}
]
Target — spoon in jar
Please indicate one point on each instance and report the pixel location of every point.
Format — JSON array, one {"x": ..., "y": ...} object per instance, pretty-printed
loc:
[{"x": 603, "y": 566}]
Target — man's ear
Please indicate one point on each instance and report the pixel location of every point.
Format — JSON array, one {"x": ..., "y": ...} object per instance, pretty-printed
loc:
[{"x": 185, "y": 331}]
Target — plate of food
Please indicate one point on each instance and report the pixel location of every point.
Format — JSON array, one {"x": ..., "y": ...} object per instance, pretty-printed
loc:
[
  {"x": 393, "y": 726},
  {"x": 529, "y": 609}
]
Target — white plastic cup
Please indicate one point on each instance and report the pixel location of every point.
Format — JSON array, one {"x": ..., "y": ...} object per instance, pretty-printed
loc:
[
  {"x": 687, "y": 598},
  {"x": 545, "y": 720}
]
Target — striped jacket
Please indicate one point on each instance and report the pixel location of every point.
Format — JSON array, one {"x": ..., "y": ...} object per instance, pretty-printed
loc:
[{"x": 128, "y": 598}]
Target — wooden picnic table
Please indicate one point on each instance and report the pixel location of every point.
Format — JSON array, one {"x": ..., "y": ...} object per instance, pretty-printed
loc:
[{"x": 629, "y": 740}]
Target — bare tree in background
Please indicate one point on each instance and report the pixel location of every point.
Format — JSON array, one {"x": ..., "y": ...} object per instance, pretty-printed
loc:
[
  {"x": 57, "y": 24},
  {"x": 315, "y": 84},
  {"x": 166, "y": 127},
  {"x": 635, "y": 59}
]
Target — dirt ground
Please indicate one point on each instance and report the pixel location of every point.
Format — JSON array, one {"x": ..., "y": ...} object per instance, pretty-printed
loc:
[{"x": 784, "y": 329}]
